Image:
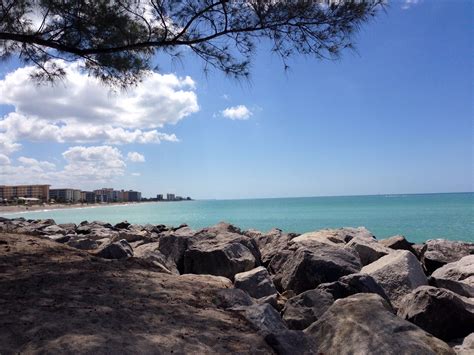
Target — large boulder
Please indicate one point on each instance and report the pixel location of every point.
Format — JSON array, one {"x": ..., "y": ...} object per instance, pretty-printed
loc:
[
  {"x": 150, "y": 252},
  {"x": 352, "y": 284},
  {"x": 307, "y": 307},
  {"x": 327, "y": 236},
  {"x": 369, "y": 250},
  {"x": 305, "y": 268},
  {"x": 53, "y": 229},
  {"x": 440, "y": 252},
  {"x": 457, "y": 276},
  {"x": 221, "y": 251},
  {"x": 264, "y": 318},
  {"x": 271, "y": 243},
  {"x": 365, "y": 324},
  {"x": 82, "y": 243},
  {"x": 398, "y": 242},
  {"x": 440, "y": 312},
  {"x": 116, "y": 250},
  {"x": 398, "y": 273},
  {"x": 256, "y": 282},
  {"x": 173, "y": 244}
]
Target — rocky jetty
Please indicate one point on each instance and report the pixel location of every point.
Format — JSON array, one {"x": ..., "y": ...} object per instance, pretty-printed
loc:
[{"x": 125, "y": 288}]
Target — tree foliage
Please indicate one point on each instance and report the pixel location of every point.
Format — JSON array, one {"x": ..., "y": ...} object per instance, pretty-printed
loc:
[{"x": 117, "y": 39}]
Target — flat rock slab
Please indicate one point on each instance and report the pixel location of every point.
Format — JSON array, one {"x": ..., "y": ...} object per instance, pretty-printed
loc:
[{"x": 56, "y": 299}]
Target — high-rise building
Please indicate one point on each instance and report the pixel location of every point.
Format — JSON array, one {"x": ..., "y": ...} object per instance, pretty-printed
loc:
[
  {"x": 170, "y": 197},
  {"x": 132, "y": 196},
  {"x": 12, "y": 192},
  {"x": 159, "y": 197},
  {"x": 65, "y": 195}
]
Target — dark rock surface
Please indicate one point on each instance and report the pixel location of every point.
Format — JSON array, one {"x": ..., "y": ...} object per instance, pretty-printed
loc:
[
  {"x": 440, "y": 312},
  {"x": 398, "y": 242},
  {"x": 305, "y": 268},
  {"x": 256, "y": 282},
  {"x": 307, "y": 307},
  {"x": 439, "y": 252},
  {"x": 116, "y": 250}
]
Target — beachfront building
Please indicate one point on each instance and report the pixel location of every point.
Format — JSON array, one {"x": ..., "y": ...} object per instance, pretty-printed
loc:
[
  {"x": 13, "y": 192},
  {"x": 88, "y": 197},
  {"x": 159, "y": 197},
  {"x": 132, "y": 196},
  {"x": 105, "y": 194},
  {"x": 170, "y": 197},
  {"x": 65, "y": 195}
]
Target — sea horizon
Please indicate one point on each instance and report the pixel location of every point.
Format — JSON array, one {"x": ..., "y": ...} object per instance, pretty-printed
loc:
[{"x": 419, "y": 217}]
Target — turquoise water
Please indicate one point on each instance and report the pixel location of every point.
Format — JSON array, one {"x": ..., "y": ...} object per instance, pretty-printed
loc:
[{"x": 418, "y": 217}]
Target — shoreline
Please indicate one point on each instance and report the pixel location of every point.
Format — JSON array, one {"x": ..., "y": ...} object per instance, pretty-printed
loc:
[{"x": 7, "y": 210}]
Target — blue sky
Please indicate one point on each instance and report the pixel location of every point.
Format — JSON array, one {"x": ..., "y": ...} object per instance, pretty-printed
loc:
[{"x": 394, "y": 117}]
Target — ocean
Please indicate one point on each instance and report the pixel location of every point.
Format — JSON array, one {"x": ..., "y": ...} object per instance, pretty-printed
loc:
[{"x": 418, "y": 217}]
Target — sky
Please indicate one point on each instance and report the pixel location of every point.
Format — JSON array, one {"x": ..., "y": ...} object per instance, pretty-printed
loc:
[{"x": 394, "y": 116}]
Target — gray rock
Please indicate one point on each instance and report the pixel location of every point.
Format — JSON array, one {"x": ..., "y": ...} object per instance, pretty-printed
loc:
[
  {"x": 264, "y": 318},
  {"x": 466, "y": 346},
  {"x": 173, "y": 244},
  {"x": 60, "y": 238},
  {"x": 116, "y": 250},
  {"x": 307, "y": 307},
  {"x": 256, "y": 282},
  {"x": 133, "y": 235},
  {"x": 305, "y": 268},
  {"x": 440, "y": 252},
  {"x": 440, "y": 312},
  {"x": 457, "y": 276},
  {"x": 150, "y": 252},
  {"x": 327, "y": 236},
  {"x": 271, "y": 243},
  {"x": 82, "y": 243},
  {"x": 398, "y": 242},
  {"x": 398, "y": 273},
  {"x": 220, "y": 253},
  {"x": 290, "y": 342},
  {"x": 53, "y": 229},
  {"x": 122, "y": 225},
  {"x": 352, "y": 284},
  {"x": 369, "y": 250},
  {"x": 365, "y": 324},
  {"x": 232, "y": 297}
]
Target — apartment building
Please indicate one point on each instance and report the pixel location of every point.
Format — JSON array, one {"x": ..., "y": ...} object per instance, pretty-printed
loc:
[
  {"x": 65, "y": 195},
  {"x": 13, "y": 192}
]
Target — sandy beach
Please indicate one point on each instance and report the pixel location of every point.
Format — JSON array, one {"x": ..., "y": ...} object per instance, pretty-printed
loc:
[{"x": 59, "y": 206}]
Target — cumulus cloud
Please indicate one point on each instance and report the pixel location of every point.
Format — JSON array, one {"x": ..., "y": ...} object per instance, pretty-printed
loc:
[
  {"x": 81, "y": 109},
  {"x": 36, "y": 165},
  {"x": 4, "y": 160},
  {"x": 135, "y": 157},
  {"x": 83, "y": 166},
  {"x": 240, "y": 112},
  {"x": 19, "y": 127}
]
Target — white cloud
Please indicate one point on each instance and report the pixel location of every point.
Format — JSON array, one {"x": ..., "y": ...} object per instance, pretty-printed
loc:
[
  {"x": 240, "y": 112},
  {"x": 4, "y": 160},
  {"x": 136, "y": 174},
  {"x": 135, "y": 157},
  {"x": 18, "y": 127},
  {"x": 36, "y": 165},
  {"x": 84, "y": 167},
  {"x": 81, "y": 109},
  {"x": 409, "y": 3}
]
